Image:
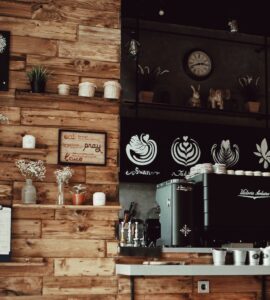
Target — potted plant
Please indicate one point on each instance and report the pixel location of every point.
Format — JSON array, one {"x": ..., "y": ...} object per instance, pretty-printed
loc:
[
  {"x": 250, "y": 89},
  {"x": 78, "y": 194},
  {"x": 38, "y": 77},
  {"x": 147, "y": 79}
]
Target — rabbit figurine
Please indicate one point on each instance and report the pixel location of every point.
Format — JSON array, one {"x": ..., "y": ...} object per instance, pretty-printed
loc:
[{"x": 195, "y": 100}]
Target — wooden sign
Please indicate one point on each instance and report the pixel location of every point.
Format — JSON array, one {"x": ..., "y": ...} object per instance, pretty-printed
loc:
[{"x": 82, "y": 147}]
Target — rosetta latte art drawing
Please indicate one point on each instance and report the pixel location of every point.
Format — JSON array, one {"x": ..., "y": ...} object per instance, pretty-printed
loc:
[
  {"x": 141, "y": 150},
  {"x": 225, "y": 154},
  {"x": 185, "y": 151}
]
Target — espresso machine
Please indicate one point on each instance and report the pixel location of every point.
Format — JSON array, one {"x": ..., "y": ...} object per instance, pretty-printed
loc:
[{"x": 177, "y": 213}]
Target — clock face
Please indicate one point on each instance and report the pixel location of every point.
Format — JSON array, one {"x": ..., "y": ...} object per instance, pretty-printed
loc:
[{"x": 198, "y": 64}]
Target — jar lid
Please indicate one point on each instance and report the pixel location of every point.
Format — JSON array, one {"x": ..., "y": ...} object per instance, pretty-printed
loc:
[
  {"x": 114, "y": 83},
  {"x": 87, "y": 83}
]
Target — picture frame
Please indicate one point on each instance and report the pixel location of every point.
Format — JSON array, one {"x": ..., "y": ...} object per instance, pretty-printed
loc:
[{"x": 82, "y": 147}]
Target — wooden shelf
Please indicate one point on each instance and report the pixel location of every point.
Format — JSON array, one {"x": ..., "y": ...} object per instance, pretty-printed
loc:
[
  {"x": 18, "y": 150},
  {"x": 73, "y": 207},
  {"x": 27, "y": 95},
  {"x": 205, "y": 111},
  {"x": 190, "y": 270}
]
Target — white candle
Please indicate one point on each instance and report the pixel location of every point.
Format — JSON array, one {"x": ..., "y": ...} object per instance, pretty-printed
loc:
[
  {"x": 87, "y": 89},
  {"x": 29, "y": 142}
]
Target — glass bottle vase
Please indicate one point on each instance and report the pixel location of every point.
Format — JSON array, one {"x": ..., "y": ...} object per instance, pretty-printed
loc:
[
  {"x": 60, "y": 196},
  {"x": 29, "y": 193}
]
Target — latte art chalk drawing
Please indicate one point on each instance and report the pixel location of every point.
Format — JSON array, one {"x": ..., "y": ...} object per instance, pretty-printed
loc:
[
  {"x": 185, "y": 151},
  {"x": 225, "y": 154},
  {"x": 141, "y": 150}
]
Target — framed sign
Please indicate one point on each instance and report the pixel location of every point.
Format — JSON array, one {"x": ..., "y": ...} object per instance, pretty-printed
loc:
[
  {"x": 82, "y": 147},
  {"x": 4, "y": 60}
]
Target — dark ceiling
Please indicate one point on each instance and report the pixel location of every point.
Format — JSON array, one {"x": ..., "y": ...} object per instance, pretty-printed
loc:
[{"x": 252, "y": 17}]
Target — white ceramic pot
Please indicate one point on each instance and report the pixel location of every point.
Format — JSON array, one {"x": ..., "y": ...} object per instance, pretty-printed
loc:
[
  {"x": 63, "y": 89},
  {"x": 112, "y": 90},
  {"x": 99, "y": 199},
  {"x": 87, "y": 89}
]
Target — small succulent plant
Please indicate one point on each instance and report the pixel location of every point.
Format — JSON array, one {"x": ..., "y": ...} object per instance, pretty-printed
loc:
[
  {"x": 38, "y": 73},
  {"x": 79, "y": 189},
  {"x": 250, "y": 87},
  {"x": 148, "y": 77}
]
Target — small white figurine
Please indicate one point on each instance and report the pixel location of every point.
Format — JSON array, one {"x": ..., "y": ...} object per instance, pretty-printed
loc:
[{"x": 195, "y": 100}]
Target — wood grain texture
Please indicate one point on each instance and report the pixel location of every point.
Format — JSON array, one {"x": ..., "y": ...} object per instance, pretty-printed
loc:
[
  {"x": 41, "y": 29},
  {"x": 32, "y": 213},
  {"x": 110, "y": 53},
  {"x": 99, "y": 35},
  {"x": 98, "y": 175},
  {"x": 12, "y": 113},
  {"x": 76, "y": 66},
  {"x": 79, "y": 285},
  {"x": 26, "y": 228},
  {"x": 57, "y": 248},
  {"x": 5, "y": 191},
  {"x": 15, "y": 9},
  {"x": 33, "y": 45},
  {"x": 84, "y": 267},
  {"x": 28, "y": 269},
  {"x": 65, "y": 118},
  {"x": 112, "y": 248},
  {"x": 17, "y": 286},
  {"x": 160, "y": 285},
  {"x": 84, "y": 215},
  {"x": 78, "y": 230}
]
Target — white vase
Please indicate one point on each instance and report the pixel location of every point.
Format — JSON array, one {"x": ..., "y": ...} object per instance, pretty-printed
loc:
[{"x": 29, "y": 193}]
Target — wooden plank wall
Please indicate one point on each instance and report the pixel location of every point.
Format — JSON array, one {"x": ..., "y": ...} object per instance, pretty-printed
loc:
[{"x": 77, "y": 41}]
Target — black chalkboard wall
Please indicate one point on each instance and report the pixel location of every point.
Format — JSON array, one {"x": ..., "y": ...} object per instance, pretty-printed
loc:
[
  {"x": 153, "y": 151},
  {"x": 4, "y": 59}
]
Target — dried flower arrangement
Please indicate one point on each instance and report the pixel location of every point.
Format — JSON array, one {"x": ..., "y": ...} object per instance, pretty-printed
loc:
[
  {"x": 148, "y": 77},
  {"x": 63, "y": 175},
  {"x": 3, "y": 118},
  {"x": 31, "y": 169}
]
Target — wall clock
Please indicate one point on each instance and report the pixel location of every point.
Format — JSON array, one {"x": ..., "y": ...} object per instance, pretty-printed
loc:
[{"x": 198, "y": 64}]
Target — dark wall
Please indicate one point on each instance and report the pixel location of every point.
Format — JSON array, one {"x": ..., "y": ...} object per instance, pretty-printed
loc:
[{"x": 165, "y": 45}]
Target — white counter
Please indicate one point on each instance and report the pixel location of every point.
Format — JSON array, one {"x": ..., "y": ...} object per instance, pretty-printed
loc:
[{"x": 190, "y": 270}]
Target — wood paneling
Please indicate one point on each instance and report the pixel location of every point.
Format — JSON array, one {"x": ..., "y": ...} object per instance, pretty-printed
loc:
[
  {"x": 84, "y": 267},
  {"x": 20, "y": 286},
  {"x": 57, "y": 248},
  {"x": 78, "y": 229},
  {"x": 60, "y": 253},
  {"x": 79, "y": 285},
  {"x": 110, "y": 53},
  {"x": 41, "y": 29},
  {"x": 33, "y": 45}
]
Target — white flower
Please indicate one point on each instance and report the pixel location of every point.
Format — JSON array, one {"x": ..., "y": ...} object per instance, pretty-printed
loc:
[
  {"x": 63, "y": 175},
  {"x": 32, "y": 169},
  {"x": 3, "y": 43}
]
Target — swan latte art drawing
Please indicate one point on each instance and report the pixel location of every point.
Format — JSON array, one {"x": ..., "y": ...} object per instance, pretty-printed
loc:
[
  {"x": 3, "y": 43},
  {"x": 225, "y": 154},
  {"x": 141, "y": 150},
  {"x": 185, "y": 151}
]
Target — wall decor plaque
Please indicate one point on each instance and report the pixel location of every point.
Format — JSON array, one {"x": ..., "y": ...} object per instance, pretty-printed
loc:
[{"x": 82, "y": 147}]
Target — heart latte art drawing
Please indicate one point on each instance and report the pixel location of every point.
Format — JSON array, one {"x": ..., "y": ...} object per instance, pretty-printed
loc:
[{"x": 185, "y": 151}]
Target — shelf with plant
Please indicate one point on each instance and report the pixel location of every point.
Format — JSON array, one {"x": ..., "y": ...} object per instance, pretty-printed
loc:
[
  {"x": 147, "y": 80},
  {"x": 250, "y": 89},
  {"x": 38, "y": 77}
]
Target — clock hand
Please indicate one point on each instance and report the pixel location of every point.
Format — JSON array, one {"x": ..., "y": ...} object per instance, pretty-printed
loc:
[{"x": 199, "y": 64}]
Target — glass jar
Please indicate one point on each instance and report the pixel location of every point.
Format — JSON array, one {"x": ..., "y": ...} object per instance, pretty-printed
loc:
[{"x": 29, "y": 193}]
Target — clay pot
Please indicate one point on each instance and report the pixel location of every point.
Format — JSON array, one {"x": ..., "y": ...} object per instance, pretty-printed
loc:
[
  {"x": 252, "y": 106},
  {"x": 78, "y": 199},
  {"x": 146, "y": 96}
]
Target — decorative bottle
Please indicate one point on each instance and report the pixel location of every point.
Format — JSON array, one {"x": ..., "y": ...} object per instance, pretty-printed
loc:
[{"x": 29, "y": 193}]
